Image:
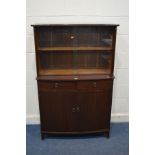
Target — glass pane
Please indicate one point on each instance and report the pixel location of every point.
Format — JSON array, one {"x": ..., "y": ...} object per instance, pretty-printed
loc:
[
  {"x": 75, "y": 62},
  {"x": 75, "y": 38},
  {"x": 44, "y": 37},
  {"x": 106, "y": 39},
  {"x": 56, "y": 60},
  {"x": 88, "y": 36},
  {"x": 94, "y": 37},
  {"x": 55, "y": 37},
  {"x": 61, "y": 37},
  {"x": 93, "y": 59}
]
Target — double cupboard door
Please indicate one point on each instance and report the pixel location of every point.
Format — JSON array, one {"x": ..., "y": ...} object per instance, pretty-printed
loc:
[{"x": 73, "y": 111}]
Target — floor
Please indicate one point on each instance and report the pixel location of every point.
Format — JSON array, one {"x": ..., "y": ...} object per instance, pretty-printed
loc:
[{"x": 117, "y": 144}]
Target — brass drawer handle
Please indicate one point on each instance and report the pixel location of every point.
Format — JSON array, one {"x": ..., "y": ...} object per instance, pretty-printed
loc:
[
  {"x": 72, "y": 37},
  {"x": 94, "y": 84},
  {"x": 78, "y": 109},
  {"x": 73, "y": 109}
]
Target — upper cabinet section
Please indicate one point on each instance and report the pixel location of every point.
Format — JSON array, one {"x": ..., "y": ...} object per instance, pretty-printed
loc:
[
  {"x": 52, "y": 38},
  {"x": 75, "y": 49}
]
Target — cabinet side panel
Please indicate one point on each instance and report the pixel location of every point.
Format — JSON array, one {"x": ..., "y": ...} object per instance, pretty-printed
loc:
[{"x": 113, "y": 51}]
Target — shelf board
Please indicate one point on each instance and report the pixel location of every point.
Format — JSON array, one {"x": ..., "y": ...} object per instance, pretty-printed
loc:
[
  {"x": 74, "y": 48},
  {"x": 73, "y": 71}
]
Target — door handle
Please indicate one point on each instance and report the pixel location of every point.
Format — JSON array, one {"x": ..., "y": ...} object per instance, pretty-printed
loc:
[
  {"x": 77, "y": 109},
  {"x": 73, "y": 109}
]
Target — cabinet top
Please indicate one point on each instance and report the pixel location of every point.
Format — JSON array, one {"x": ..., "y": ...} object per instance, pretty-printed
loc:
[{"x": 39, "y": 25}]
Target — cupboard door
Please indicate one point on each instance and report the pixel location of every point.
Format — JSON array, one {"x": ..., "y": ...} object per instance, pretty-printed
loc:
[
  {"x": 83, "y": 117},
  {"x": 103, "y": 108},
  {"x": 94, "y": 111},
  {"x": 56, "y": 110}
]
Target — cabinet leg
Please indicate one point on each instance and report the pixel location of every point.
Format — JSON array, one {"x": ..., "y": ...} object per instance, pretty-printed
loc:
[
  {"x": 42, "y": 136},
  {"x": 106, "y": 134}
]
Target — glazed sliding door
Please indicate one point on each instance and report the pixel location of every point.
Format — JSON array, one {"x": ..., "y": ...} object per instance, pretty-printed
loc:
[
  {"x": 56, "y": 63},
  {"x": 99, "y": 37},
  {"x": 56, "y": 37},
  {"x": 89, "y": 62}
]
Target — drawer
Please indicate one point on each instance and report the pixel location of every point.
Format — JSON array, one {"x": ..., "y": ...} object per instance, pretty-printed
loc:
[
  {"x": 44, "y": 85},
  {"x": 48, "y": 86},
  {"x": 63, "y": 85},
  {"x": 95, "y": 85}
]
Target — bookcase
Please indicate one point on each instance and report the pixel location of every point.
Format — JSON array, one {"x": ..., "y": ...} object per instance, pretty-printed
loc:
[{"x": 75, "y": 66}]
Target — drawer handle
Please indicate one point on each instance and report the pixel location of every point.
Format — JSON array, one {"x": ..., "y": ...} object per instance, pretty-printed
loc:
[
  {"x": 72, "y": 37},
  {"x": 56, "y": 85},
  {"x": 78, "y": 109},
  {"x": 73, "y": 109},
  {"x": 94, "y": 84}
]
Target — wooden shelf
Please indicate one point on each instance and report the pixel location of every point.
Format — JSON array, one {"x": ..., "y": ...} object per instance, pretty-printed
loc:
[
  {"x": 74, "y": 48},
  {"x": 73, "y": 71}
]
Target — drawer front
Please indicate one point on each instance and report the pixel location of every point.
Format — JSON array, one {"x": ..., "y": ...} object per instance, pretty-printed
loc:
[
  {"x": 63, "y": 85},
  {"x": 49, "y": 86},
  {"x": 44, "y": 85},
  {"x": 95, "y": 85},
  {"x": 80, "y": 85}
]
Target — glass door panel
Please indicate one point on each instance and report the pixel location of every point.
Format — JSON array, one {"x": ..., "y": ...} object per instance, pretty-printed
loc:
[
  {"x": 87, "y": 37},
  {"x": 74, "y": 38},
  {"x": 93, "y": 59},
  {"x": 62, "y": 37},
  {"x": 94, "y": 37},
  {"x": 56, "y": 60},
  {"x": 55, "y": 37},
  {"x": 106, "y": 39},
  {"x": 75, "y": 62},
  {"x": 44, "y": 37}
]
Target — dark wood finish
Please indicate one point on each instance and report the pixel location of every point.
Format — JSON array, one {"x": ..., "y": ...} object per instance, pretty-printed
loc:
[
  {"x": 46, "y": 49},
  {"x": 95, "y": 85},
  {"x": 107, "y": 25},
  {"x": 75, "y": 77},
  {"x": 75, "y": 106}
]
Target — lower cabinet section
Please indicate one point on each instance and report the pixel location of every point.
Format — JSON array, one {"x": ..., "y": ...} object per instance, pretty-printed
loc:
[{"x": 75, "y": 110}]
